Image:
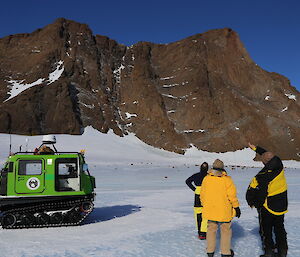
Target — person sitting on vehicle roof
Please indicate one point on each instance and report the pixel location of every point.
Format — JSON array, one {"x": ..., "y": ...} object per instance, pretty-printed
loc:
[{"x": 45, "y": 150}]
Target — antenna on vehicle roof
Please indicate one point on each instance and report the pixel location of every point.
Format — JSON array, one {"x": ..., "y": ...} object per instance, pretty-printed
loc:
[
  {"x": 26, "y": 144},
  {"x": 9, "y": 145},
  {"x": 9, "y": 131}
]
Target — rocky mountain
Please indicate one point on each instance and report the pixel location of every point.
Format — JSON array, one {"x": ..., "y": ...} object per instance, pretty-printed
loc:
[{"x": 204, "y": 90}]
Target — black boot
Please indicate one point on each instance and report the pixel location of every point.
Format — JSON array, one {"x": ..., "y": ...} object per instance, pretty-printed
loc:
[
  {"x": 202, "y": 235},
  {"x": 282, "y": 252},
  {"x": 228, "y": 255},
  {"x": 210, "y": 254},
  {"x": 268, "y": 253}
]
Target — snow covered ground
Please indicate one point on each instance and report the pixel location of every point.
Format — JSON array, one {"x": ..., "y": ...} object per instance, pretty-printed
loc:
[{"x": 143, "y": 207}]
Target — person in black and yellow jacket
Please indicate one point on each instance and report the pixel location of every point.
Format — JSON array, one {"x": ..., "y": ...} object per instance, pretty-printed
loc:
[
  {"x": 268, "y": 193},
  {"x": 218, "y": 195},
  {"x": 194, "y": 182}
]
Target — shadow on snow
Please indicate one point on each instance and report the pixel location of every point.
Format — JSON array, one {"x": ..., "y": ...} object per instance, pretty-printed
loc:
[
  {"x": 111, "y": 212},
  {"x": 239, "y": 232}
]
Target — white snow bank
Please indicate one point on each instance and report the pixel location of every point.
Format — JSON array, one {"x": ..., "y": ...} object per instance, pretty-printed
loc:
[
  {"x": 17, "y": 86},
  {"x": 145, "y": 209},
  {"x": 110, "y": 148},
  {"x": 130, "y": 115},
  {"x": 291, "y": 96},
  {"x": 55, "y": 75}
]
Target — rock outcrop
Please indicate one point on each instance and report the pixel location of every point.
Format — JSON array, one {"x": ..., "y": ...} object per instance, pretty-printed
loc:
[{"x": 204, "y": 90}]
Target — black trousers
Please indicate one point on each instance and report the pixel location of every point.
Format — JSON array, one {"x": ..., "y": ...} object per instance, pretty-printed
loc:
[
  {"x": 199, "y": 222},
  {"x": 270, "y": 224},
  {"x": 198, "y": 215}
]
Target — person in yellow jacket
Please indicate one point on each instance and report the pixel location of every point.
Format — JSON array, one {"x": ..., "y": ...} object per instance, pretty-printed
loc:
[
  {"x": 220, "y": 205},
  {"x": 268, "y": 193}
]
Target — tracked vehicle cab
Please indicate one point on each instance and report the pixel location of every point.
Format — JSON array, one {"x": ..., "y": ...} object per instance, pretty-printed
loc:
[{"x": 45, "y": 183}]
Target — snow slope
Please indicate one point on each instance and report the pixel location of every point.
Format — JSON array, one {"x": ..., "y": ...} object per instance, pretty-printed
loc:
[
  {"x": 143, "y": 207},
  {"x": 110, "y": 148}
]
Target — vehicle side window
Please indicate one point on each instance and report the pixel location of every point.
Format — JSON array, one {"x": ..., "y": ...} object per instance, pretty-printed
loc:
[
  {"x": 67, "y": 177},
  {"x": 68, "y": 169},
  {"x": 10, "y": 167},
  {"x": 30, "y": 167}
]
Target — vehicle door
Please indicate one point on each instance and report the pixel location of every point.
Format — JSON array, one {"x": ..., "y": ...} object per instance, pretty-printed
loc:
[
  {"x": 30, "y": 176},
  {"x": 67, "y": 174}
]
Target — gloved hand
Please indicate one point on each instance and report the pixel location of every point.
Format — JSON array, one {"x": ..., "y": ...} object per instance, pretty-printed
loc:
[
  {"x": 237, "y": 212},
  {"x": 253, "y": 147}
]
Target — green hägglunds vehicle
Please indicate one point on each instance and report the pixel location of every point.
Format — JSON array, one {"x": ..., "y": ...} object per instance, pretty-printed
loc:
[{"x": 45, "y": 188}]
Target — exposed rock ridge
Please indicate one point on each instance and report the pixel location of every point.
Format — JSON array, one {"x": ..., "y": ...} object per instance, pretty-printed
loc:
[{"x": 204, "y": 90}]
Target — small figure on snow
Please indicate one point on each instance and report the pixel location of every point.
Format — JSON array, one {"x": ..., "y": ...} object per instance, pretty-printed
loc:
[
  {"x": 268, "y": 193},
  {"x": 194, "y": 182},
  {"x": 220, "y": 205}
]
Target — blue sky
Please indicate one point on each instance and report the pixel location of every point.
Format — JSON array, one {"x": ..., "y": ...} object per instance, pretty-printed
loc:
[{"x": 269, "y": 29}]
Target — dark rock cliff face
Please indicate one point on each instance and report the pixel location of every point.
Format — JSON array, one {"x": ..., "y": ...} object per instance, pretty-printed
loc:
[{"x": 204, "y": 90}]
